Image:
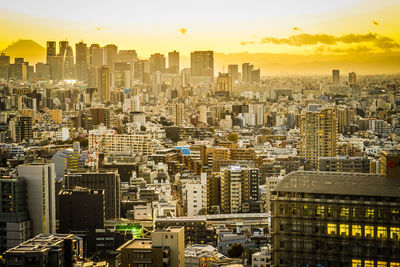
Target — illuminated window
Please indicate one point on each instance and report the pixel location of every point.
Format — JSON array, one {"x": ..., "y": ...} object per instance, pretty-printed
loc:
[
  {"x": 381, "y": 232},
  {"x": 344, "y": 229},
  {"x": 394, "y": 233},
  {"x": 356, "y": 263},
  {"x": 369, "y": 264},
  {"x": 294, "y": 210},
  {"x": 395, "y": 264},
  {"x": 331, "y": 227},
  {"x": 320, "y": 211},
  {"x": 344, "y": 212},
  {"x": 356, "y": 230},
  {"x": 369, "y": 213},
  {"x": 369, "y": 231},
  {"x": 395, "y": 213},
  {"x": 381, "y": 264}
]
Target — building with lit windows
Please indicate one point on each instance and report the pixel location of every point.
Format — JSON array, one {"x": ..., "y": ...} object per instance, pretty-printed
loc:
[{"x": 336, "y": 219}]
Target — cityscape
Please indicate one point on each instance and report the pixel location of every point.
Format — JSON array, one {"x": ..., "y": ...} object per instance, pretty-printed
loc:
[{"x": 224, "y": 140}]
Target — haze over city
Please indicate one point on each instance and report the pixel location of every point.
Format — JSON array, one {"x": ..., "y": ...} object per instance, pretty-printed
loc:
[
  {"x": 322, "y": 35},
  {"x": 200, "y": 133}
]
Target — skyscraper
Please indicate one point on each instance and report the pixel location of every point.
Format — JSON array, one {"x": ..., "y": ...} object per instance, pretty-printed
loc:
[
  {"x": 21, "y": 129},
  {"x": 68, "y": 63},
  {"x": 352, "y": 78},
  {"x": 50, "y": 50},
  {"x": 173, "y": 62},
  {"x": 4, "y": 66},
  {"x": 63, "y": 46},
  {"x": 202, "y": 64},
  {"x": 246, "y": 72},
  {"x": 40, "y": 180},
  {"x": 14, "y": 216},
  {"x": 110, "y": 55},
  {"x": 335, "y": 76},
  {"x": 224, "y": 84},
  {"x": 104, "y": 84},
  {"x": 318, "y": 135},
  {"x": 81, "y": 61},
  {"x": 178, "y": 113},
  {"x": 157, "y": 63},
  {"x": 233, "y": 71}
]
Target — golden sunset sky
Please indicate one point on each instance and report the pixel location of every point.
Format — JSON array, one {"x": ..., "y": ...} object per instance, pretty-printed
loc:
[{"x": 254, "y": 26}]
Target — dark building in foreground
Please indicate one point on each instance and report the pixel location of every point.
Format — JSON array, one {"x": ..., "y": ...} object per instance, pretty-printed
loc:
[
  {"x": 44, "y": 250},
  {"x": 336, "y": 219},
  {"x": 107, "y": 180},
  {"x": 81, "y": 212}
]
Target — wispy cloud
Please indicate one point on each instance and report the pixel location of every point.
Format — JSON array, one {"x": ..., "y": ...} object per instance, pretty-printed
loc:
[
  {"x": 305, "y": 39},
  {"x": 247, "y": 42},
  {"x": 375, "y": 23}
]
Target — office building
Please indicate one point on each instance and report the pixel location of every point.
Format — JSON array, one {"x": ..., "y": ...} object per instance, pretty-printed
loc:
[
  {"x": 41, "y": 197},
  {"x": 318, "y": 136},
  {"x": 51, "y": 50},
  {"x": 390, "y": 163},
  {"x": 15, "y": 226},
  {"x": 110, "y": 56},
  {"x": 178, "y": 113},
  {"x": 345, "y": 164},
  {"x": 223, "y": 86},
  {"x": 81, "y": 61},
  {"x": 352, "y": 78},
  {"x": 157, "y": 63},
  {"x": 104, "y": 83},
  {"x": 247, "y": 68},
  {"x": 239, "y": 190},
  {"x": 336, "y": 219},
  {"x": 174, "y": 239},
  {"x": 173, "y": 62},
  {"x": 81, "y": 211},
  {"x": 21, "y": 129},
  {"x": 140, "y": 252},
  {"x": 4, "y": 66},
  {"x": 68, "y": 64},
  {"x": 233, "y": 71},
  {"x": 335, "y": 76},
  {"x": 45, "y": 250},
  {"x": 202, "y": 65},
  {"x": 108, "y": 181},
  {"x": 43, "y": 71}
]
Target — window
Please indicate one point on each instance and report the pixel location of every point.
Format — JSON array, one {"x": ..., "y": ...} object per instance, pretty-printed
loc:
[
  {"x": 381, "y": 264},
  {"x": 344, "y": 229},
  {"x": 344, "y": 213},
  {"x": 294, "y": 211},
  {"x": 296, "y": 226},
  {"x": 394, "y": 233},
  {"x": 395, "y": 264},
  {"x": 369, "y": 213},
  {"x": 369, "y": 264},
  {"x": 320, "y": 211},
  {"x": 330, "y": 212},
  {"x": 331, "y": 228},
  {"x": 369, "y": 231},
  {"x": 356, "y": 230},
  {"x": 307, "y": 211},
  {"x": 381, "y": 232},
  {"x": 355, "y": 263},
  {"x": 395, "y": 214}
]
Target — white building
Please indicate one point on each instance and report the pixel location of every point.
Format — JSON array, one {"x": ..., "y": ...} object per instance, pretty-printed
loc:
[
  {"x": 194, "y": 198},
  {"x": 203, "y": 114},
  {"x": 40, "y": 180},
  {"x": 270, "y": 183},
  {"x": 262, "y": 258}
]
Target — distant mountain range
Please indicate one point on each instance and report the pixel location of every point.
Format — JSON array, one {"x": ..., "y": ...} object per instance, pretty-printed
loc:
[
  {"x": 28, "y": 49},
  {"x": 365, "y": 63}
]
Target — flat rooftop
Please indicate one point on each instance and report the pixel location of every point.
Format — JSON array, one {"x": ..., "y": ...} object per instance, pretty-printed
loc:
[{"x": 358, "y": 184}]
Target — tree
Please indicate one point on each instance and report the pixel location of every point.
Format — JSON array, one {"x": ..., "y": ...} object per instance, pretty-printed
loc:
[
  {"x": 234, "y": 137},
  {"x": 236, "y": 250}
]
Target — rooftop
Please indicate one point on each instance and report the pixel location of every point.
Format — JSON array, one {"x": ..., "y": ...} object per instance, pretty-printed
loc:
[{"x": 359, "y": 184}]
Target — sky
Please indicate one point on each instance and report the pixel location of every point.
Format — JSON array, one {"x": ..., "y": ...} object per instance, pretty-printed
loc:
[{"x": 305, "y": 27}]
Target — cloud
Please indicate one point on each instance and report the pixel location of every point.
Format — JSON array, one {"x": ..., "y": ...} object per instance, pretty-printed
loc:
[
  {"x": 304, "y": 39},
  {"x": 183, "y": 30},
  {"x": 296, "y": 29},
  {"x": 375, "y": 23},
  {"x": 246, "y": 43}
]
